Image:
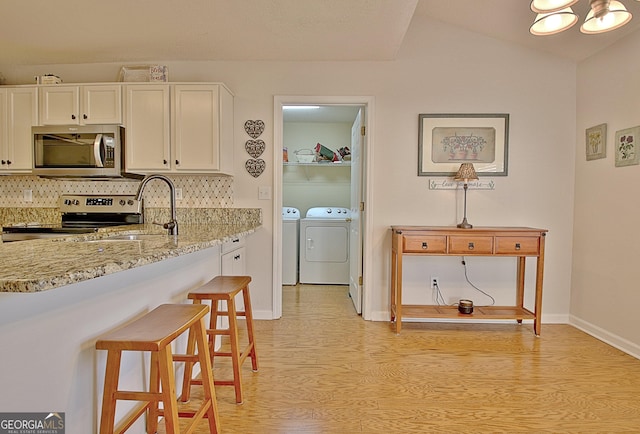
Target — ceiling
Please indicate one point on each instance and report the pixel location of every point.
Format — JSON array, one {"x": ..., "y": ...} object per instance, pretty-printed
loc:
[{"x": 98, "y": 31}]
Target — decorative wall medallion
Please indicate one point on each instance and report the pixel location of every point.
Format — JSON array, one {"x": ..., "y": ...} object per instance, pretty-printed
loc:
[
  {"x": 255, "y": 148},
  {"x": 255, "y": 167},
  {"x": 254, "y": 128}
]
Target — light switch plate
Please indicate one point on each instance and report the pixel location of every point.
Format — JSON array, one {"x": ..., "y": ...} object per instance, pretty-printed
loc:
[{"x": 264, "y": 193}]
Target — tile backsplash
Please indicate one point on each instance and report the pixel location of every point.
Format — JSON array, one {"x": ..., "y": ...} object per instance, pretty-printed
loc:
[{"x": 198, "y": 191}]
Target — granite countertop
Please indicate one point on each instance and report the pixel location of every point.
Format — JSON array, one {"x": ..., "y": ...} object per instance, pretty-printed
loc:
[{"x": 40, "y": 265}]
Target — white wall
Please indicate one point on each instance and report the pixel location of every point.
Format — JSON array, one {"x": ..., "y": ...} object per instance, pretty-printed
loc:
[
  {"x": 325, "y": 185},
  {"x": 438, "y": 70},
  {"x": 604, "y": 291}
]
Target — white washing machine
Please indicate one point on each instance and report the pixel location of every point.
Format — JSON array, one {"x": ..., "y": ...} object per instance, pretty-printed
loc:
[
  {"x": 290, "y": 243},
  {"x": 324, "y": 246}
]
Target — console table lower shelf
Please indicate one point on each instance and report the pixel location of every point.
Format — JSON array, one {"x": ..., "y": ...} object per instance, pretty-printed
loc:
[
  {"x": 518, "y": 242},
  {"x": 479, "y": 312}
]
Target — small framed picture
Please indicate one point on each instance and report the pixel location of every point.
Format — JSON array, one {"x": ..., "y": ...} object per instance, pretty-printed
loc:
[
  {"x": 596, "y": 142},
  {"x": 626, "y": 147}
]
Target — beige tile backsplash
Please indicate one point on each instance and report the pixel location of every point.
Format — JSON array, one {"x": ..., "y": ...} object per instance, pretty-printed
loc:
[{"x": 197, "y": 191}]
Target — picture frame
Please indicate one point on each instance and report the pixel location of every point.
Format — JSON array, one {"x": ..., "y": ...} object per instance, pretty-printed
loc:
[
  {"x": 626, "y": 147},
  {"x": 447, "y": 140},
  {"x": 596, "y": 142}
]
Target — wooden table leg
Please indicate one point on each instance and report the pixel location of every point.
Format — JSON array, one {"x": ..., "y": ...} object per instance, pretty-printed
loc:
[{"x": 520, "y": 284}]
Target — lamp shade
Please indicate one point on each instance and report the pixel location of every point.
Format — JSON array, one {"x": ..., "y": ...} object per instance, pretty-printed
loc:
[
  {"x": 466, "y": 172},
  {"x": 600, "y": 21},
  {"x": 547, "y": 6},
  {"x": 554, "y": 22}
]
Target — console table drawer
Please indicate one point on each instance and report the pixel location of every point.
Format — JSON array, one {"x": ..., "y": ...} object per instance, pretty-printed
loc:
[
  {"x": 517, "y": 245},
  {"x": 425, "y": 244},
  {"x": 466, "y": 245}
]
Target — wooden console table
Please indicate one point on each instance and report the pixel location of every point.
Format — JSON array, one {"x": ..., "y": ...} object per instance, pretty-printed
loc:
[{"x": 482, "y": 241}]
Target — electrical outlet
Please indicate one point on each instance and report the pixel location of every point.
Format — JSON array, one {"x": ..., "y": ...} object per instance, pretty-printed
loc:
[
  {"x": 27, "y": 195},
  {"x": 435, "y": 283},
  {"x": 178, "y": 194}
]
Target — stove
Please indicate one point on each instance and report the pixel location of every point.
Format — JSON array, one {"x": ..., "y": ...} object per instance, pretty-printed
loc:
[{"x": 81, "y": 214}]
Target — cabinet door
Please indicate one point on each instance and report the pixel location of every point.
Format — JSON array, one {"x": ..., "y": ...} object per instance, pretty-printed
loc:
[
  {"x": 3, "y": 130},
  {"x": 22, "y": 114},
  {"x": 147, "y": 133},
  {"x": 196, "y": 128},
  {"x": 234, "y": 263},
  {"x": 102, "y": 104},
  {"x": 59, "y": 105}
]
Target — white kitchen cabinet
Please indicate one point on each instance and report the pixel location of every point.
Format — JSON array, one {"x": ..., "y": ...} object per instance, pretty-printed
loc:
[
  {"x": 189, "y": 126},
  {"x": 18, "y": 113},
  {"x": 147, "y": 128},
  {"x": 233, "y": 263},
  {"x": 81, "y": 105},
  {"x": 233, "y": 260}
]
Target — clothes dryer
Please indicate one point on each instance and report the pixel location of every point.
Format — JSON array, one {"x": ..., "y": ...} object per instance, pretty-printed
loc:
[
  {"x": 324, "y": 246},
  {"x": 290, "y": 243}
]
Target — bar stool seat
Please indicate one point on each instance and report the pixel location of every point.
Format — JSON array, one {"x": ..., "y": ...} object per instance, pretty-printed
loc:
[
  {"x": 225, "y": 289},
  {"x": 154, "y": 332}
]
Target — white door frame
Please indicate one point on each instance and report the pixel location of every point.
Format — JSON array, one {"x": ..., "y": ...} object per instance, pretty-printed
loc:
[{"x": 367, "y": 169}]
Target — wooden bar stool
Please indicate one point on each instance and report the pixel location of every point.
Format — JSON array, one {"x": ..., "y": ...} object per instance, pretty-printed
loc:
[
  {"x": 224, "y": 288},
  {"x": 154, "y": 332}
]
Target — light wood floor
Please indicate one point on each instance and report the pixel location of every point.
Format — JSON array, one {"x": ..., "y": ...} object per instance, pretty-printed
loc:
[{"x": 325, "y": 370}]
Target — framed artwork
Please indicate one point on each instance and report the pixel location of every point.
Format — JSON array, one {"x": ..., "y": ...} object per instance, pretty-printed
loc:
[
  {"x": 596, "y": 142},
  {"x": 626, "y": 147},
  {"x": 447, "y": 140}
]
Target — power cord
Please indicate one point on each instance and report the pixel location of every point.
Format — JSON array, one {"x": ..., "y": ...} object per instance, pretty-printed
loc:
[
  {"x": 439, "y": 298},
  {"x": 464, "y": 264}
]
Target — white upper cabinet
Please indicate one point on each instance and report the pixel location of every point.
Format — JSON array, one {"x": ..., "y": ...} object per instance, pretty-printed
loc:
[
  {"x": 179, "y": 128},
  {"x": 147, "y": 132},
  {"x": 81, "y": 105},
  {"x": 18, "y": 113}
]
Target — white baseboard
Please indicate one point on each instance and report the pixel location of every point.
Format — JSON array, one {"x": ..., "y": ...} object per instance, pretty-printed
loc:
[{"x": 599, "y": 333}]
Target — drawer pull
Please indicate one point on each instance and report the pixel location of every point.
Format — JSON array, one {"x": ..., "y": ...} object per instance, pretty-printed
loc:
[
  {"x": 425, "y": 246},
  {"x": 517, "y": 246},
  {"x": 471, "y": 246}
]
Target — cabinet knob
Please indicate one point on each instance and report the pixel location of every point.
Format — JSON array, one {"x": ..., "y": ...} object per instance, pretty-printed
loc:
[
  {"x": 4, "y": 162},
  {"x": 8, "y": 161},
  {"x": 425, "y": 246},
  {"x": 73, "y": 116},
  {"x": 236, "y": 257},
  {"x": 164, "y": 162},
  {"x": 471, "y": 246},
  {"x": 84, "y": 116},
  {"x": 517, "y": 246},
  {"x": 177, "y": 161}
]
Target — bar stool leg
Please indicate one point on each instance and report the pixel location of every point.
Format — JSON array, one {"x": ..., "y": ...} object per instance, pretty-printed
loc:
[
  {"x": 107, "y": 422},
  {"x": 249, "y": 319},
  {"x": 213, "y": 325},
  {"x": 188, "y": 366},
  {"x": 154, "y": 387},
  {"x": 235, "y": 348},
  {"x": 167, "y": 380},
  {"x": 200, "y": 338}
]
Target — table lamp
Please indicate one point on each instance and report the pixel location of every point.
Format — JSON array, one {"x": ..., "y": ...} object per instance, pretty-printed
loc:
[{"x": 466, "y": 173}]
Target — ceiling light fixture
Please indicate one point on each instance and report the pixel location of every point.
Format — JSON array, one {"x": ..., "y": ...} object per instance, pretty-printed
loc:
[
  {"x": 555, "y": 16},
  {"x": 300, "y": 107}
]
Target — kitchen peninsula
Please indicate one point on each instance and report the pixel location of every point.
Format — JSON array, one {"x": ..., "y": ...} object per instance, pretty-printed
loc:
[{"x": 57, "y": 296}]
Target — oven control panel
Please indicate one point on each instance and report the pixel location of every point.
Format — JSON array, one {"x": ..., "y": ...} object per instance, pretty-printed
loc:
[{"x": 100, "y": 204}]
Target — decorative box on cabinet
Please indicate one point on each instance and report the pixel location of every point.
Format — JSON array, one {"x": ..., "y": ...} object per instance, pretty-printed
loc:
[
  {"x": 191, "y": 128},
  {"x": 450, "y": 241},
  {"x": 80, "y": 104},
  {"x": 18, "y": 113}
]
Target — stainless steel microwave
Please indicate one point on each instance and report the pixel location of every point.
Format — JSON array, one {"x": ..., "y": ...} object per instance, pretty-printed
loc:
[{"x": 78, "y": 151}]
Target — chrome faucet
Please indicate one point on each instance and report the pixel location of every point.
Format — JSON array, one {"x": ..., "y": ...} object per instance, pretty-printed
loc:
[{"x": 171, "y": 225}]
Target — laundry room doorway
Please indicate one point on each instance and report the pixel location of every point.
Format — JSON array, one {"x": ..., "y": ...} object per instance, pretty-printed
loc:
[{"x": 335, "y": 134}]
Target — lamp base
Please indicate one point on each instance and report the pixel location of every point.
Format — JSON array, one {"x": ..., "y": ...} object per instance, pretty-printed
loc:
[{"x": 465, "y": 224}]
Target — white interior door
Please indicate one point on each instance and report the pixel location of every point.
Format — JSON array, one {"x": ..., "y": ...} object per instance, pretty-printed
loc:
[{"x": 355, "y": 241}]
